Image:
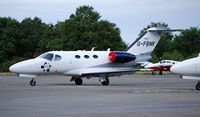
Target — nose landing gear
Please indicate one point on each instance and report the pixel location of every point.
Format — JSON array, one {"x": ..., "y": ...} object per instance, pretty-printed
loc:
[
  {"x": 33, "y": 82},
  {"x": 198, "y": 86}
]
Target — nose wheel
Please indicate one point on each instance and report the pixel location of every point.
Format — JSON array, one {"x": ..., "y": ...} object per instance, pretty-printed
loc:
[
  {"x": 198, "y": 86},
  {"x": 33, "y": 82}
]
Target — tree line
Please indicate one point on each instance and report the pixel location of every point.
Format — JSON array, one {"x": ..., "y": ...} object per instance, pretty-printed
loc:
[{"x": 83, "y": 30}]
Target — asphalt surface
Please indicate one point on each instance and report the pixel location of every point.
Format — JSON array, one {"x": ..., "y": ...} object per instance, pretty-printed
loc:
[{"x": 126, "y": 96}]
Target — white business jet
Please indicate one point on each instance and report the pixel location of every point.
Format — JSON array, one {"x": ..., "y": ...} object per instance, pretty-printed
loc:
[
  {"x": 189, "y": 69},
  {"x": 87, "y": 64}
]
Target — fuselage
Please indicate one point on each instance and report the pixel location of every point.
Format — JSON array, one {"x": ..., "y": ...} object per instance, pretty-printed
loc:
[
  {"x": 64, "y": 61},
  {"x": 162, "y": 65},
  {"x": 190, "y": 67}
]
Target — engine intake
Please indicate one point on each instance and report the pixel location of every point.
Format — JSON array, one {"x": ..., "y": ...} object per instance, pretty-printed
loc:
[{"x": 121, "y": 57}]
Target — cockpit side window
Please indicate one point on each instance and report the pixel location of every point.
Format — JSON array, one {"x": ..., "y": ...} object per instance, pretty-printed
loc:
[
  {"x": 162, "y": 62},
  {"x": 57, "y": 58},
  {"x": 48, "y": 56}
]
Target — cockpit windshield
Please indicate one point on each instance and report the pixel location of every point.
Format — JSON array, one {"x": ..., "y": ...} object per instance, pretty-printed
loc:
[{"x": 48, "y": 56}]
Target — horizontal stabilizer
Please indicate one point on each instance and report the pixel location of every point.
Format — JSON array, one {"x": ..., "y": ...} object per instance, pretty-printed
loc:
[{"x": 163, "y": 30}]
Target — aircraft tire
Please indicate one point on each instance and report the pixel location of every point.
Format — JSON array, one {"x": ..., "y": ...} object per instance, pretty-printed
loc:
[
  {"x": 160, "y": 73},
  {"x": 33, "y": 82},
  {"x": 105, "y": 82},
  {"x": 78, "y": 81},
  {"x": 198, "y": 86}
]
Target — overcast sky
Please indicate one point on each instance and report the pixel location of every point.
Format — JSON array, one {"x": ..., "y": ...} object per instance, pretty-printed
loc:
[{"x": 129, "y": 15}]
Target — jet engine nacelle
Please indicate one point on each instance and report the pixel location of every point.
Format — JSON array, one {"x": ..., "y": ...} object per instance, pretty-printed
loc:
[{"x": 121, "y": 57}]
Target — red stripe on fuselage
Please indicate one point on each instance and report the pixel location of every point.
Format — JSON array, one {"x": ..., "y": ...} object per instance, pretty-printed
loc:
[
  {"x": 161, "y": 68},
  {"x": 156, "y": 68}
]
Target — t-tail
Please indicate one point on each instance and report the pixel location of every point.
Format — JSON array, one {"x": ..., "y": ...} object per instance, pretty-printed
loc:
[{"x": 143, "y": 46}]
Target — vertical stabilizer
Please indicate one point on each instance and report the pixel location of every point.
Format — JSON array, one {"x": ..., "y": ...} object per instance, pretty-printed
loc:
[{"x": 143, "y": 46}]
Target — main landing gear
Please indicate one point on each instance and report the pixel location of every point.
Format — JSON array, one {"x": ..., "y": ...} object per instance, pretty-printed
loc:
[
  {"x": 198, "y": 86},
  {"x": 78, "y": 81},
  {"x": 160, "y": 73},
  {"x": 104, "y": 80},
  {"x": 153, "y": 73},
  {"x": 33, "y": 82}
]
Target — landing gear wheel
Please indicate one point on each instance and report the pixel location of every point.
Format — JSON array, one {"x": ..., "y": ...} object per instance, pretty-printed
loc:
[
  {"x": 198, "y": 86},
  {"x": 160, "y": 73},
  {"x": 78, "y": 81},
  {"x": 153, "y": 73},
  {"x": 33, "y": 82},
  {"x": 106, "y": 82}
]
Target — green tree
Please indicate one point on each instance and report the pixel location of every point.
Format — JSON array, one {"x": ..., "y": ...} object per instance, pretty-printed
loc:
[
  {"x": 51, "y": 39},
  {"x": 188, "y": 42},
  {"x": 33, "y": 31},
  {"x": 174, "y": 55},
  {"x": 84, "y": 30},
  {"x": 10, "y": 34}
]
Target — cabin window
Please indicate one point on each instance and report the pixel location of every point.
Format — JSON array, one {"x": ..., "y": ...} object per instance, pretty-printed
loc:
[
  {"x": 86, "y": 56},
  {"x": 95, "y": 56},
  {"x": 57, "y": 58},
  {"x": 163, "y": 62},
  {"x": 48, "y": 56},
  {"x": 77, "y": 56}
]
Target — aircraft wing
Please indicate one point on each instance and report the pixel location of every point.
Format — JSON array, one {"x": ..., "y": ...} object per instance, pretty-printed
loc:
[
  {"x": 191, "y": 77},
  {"x": 100, "y": 71}
]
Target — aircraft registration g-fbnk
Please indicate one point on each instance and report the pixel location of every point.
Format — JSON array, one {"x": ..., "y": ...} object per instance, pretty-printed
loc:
[{"x": 87, "y": 64}]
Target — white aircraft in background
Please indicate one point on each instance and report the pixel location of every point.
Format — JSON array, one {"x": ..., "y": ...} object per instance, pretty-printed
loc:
[
  {"x": 163, "y": 65},
  {"x": 189, "y": 69},
  {"x": 87, "y": 64}
]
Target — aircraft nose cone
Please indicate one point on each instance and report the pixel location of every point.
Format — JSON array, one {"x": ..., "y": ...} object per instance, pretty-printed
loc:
[
  {"x": 173, "y": 69},
  {"x": 15, "y": 68},
  {"x": 21, "y": 67},
  {"x": 177, "y": 69},
  {"x": 12, "y": 68}
]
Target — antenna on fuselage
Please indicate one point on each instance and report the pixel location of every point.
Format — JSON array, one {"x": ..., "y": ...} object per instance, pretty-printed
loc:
[
  {"x": 93, "y": 48},
  {"x": 108, "y": 49}
]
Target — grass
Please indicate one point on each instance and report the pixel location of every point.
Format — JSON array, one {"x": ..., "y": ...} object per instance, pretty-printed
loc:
[
  {"x": 150, "y": 72},
  {"x": 7, "y": 73}
]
